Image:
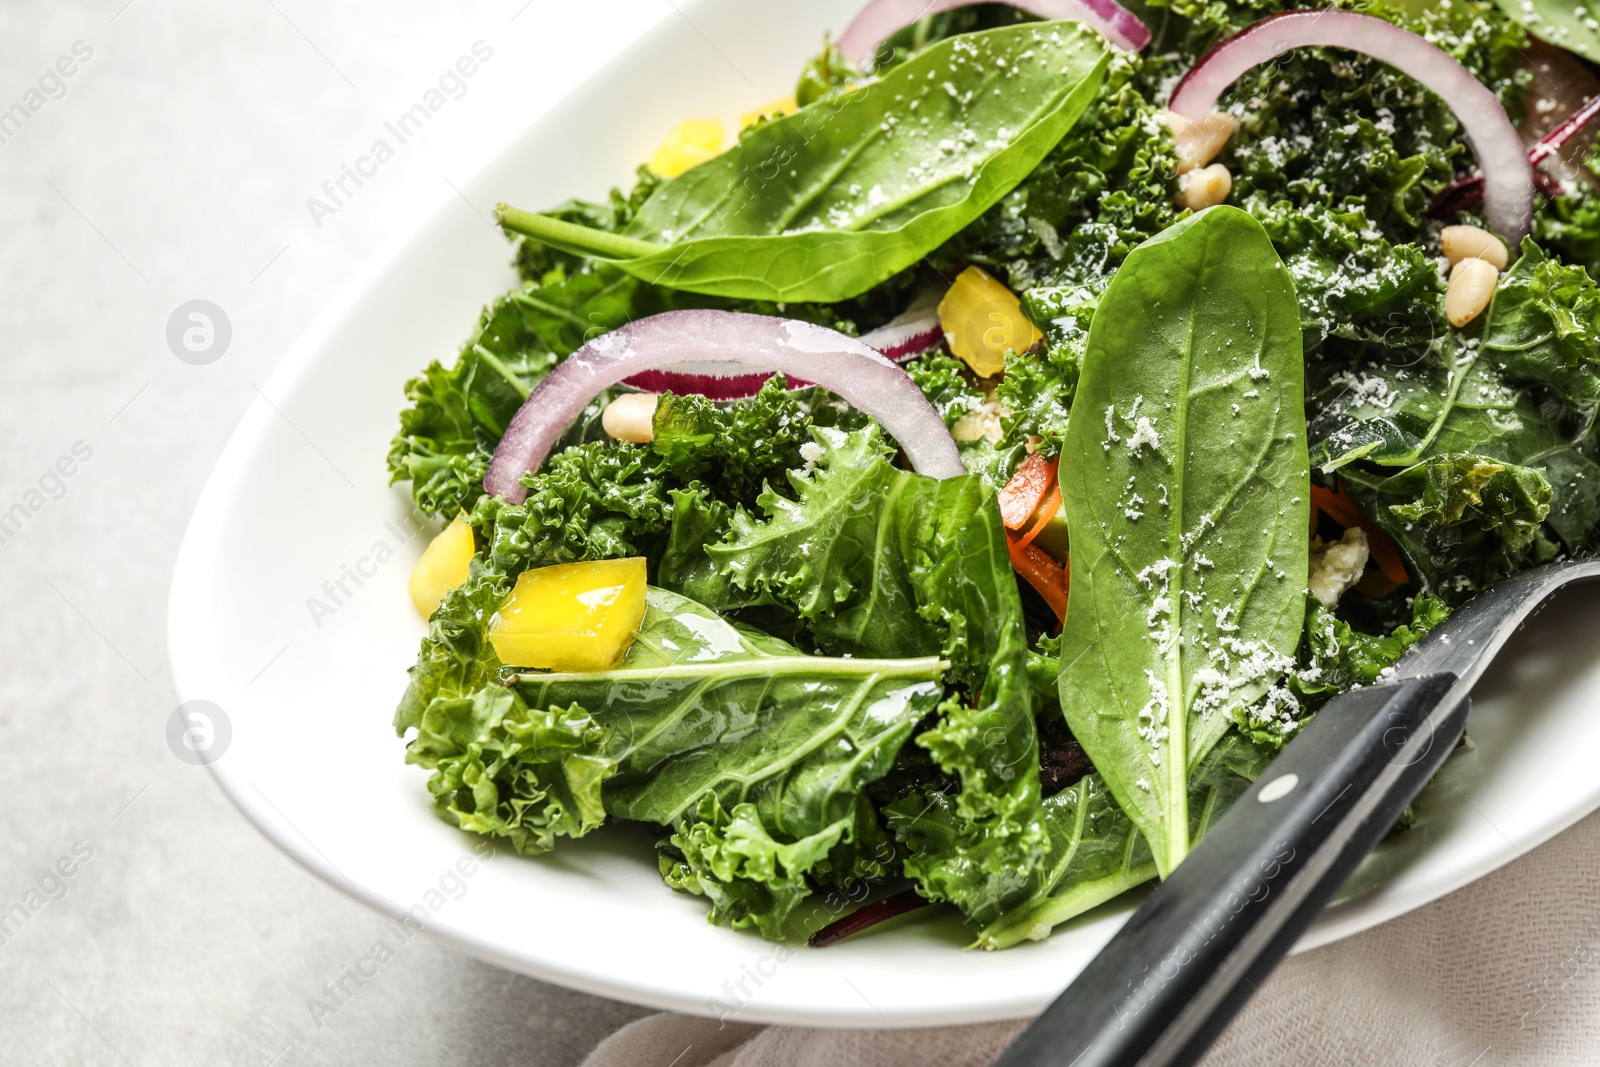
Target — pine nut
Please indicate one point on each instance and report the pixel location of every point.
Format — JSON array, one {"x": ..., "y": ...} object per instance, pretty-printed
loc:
[
  {"x": 1197, "y": 143},
  {"x": 1469, "y": 242},
  {"x": 631, "y": 417},
  {"x": 1472, "y": 283},
  {"x": 1203, "y": 188}
]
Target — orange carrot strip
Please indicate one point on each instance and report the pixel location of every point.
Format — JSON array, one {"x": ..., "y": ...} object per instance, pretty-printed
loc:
[
  {"x": 1048, "y": 510},
  {"x": 1020, "y": 498},
  {"x": 1342, "y": 510},
  {"x": 1052, "y": 580},
  {"x": 1387, "y": 554}
]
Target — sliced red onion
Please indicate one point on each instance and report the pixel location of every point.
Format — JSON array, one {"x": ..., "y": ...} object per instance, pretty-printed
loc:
[
  {"x": 1508, "y": 178},
  {"x": 840, "y": 364},
  {"x": 881, "y": 19},
  {"x": 910, "y": 333},
  {"x": 1466, "y": 193},
  {"x": 714, "y": 381},
  {"x": 1556, "y": 139}
]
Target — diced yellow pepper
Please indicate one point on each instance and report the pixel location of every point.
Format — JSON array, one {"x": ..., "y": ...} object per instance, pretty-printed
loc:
[
  {"x": 770, "y": 110},
  {"x": 691, "y": 142},
  {"x": 443, "y": 566},
  {"x": 982, "y": 319},
  {"x": 571, "y": 617}
]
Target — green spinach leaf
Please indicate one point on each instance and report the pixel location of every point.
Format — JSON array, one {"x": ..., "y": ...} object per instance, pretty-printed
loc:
[
  {"x": 700, "y": 704},
  {"x": 1185, "y": 482},
  {"x": 1100, "y": 192},
  {"x": 834, "y": 199},
  {"x": 1564, "y": 23},
  {"x": 1096, "y": 852}
]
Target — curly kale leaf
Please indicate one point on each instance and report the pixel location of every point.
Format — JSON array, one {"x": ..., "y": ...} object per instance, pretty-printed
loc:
[
  {"x": 593, "y": 501},
  {"x": 953, "y": 390},
  {"x": 1521, "y": 390},
  {"x": 1544, "y": 329},
  {"x": 456, "y": 659},
  {"x": 1336, "y": 657},
  {"x": 1569, "y": 226},
  {"x": 503, "y": 769},
  {"x": 877, "y": 561},
  {"x": 1351, "y": 281},
  {"x": 862, "y": 552},
  {"x": 666, "y": 500},
  {"x": 457, "y": 416},
  {"x": 755, "y": 879},
  {"x": 735, "y": 448},
  {"x": 947, "y": 383},
  {"x": 1038, "y": 388},
  {"x": 1328, "y": 129},
  {"x": 1465, "y": 521}
]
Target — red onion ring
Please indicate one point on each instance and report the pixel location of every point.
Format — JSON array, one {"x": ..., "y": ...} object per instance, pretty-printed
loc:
[
  {"x": 1508, "y": 178},
  {"x": 908, "y": 335},
  {"x": 1552, "y": 142},
  {"x": 1467, "y": 192},
  {"x": 880, "y": 19},
  {"x": 840, "y": 364},
  {"x": 710, "y": 380}
]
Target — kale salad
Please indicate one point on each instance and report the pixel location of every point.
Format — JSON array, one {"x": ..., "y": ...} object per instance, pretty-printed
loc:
[{"x": 957, "y": 484}]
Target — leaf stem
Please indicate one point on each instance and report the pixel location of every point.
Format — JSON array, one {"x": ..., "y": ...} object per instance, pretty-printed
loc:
[
  {"x": 570, "y": 237},
  {"x": 759, "y": 666}
]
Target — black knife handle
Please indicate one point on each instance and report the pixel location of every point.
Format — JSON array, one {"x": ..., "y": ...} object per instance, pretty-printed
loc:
[{"x": 1184, "y": 963}]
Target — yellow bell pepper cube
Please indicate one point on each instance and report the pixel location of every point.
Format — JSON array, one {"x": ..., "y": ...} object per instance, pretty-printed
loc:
[
  {"x": 770, "y": 110},
  {"x": 571, "y": 617},
  {"x": 691, "y": 142},
  {"x": 982, "y": 320},
  {"x": 443, "y": 566}
]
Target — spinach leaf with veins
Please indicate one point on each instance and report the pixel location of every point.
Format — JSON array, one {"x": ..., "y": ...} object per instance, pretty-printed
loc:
[
  {"x": 828, "y": 202},
  {"x": 1096, "y": 852},
  {"x": 1186, "y": 486},
  {"x": 1560, "y": 22}
]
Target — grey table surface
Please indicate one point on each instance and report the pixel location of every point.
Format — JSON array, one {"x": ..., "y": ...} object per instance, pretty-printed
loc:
[{"x": 174, "y": 162}]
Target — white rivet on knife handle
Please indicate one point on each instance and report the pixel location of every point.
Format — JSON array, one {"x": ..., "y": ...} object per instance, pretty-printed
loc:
[{"x": 1278, "y": 788}]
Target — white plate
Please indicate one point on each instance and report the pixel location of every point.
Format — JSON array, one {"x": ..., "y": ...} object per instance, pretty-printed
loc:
[{"x": 299, "y": 499}]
